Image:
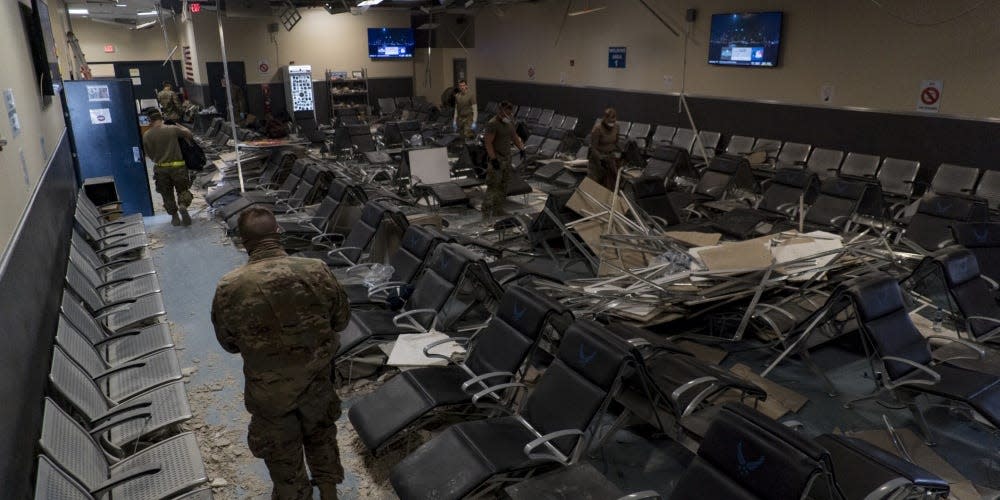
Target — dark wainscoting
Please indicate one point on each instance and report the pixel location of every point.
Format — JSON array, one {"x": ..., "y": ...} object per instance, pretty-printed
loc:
[
  {"x": 31, "y": 281},
  {"x": 928, "y": 138},
  {"x": 377, "y": 87}
]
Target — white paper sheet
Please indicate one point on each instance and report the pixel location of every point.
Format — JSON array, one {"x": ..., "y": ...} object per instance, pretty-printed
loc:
[{"x": 409, "y": 350}]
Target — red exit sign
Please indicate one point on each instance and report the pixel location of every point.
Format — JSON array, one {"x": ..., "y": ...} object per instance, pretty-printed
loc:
[
  {"x": 109, "y": 49},
  {"x": 195, "y": 7}
]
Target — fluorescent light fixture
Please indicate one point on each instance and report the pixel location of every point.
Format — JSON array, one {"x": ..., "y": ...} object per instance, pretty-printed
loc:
[
  {"x": 79, "y": 11},
  {"x": 369, "y": 3},
  {"x": 585, "y": 11},
  {"x": 428, "y": 26},
  {"x": 147, "y": 13},
  {"x": 144, "y": 25},
  {"x": 121, "y": 5}
]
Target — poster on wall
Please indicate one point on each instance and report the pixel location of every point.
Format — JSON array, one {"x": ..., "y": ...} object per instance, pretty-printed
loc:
[
  {"x": 15, "y": 122},
  {"x": 97, "y": 93},
  {"x": 263, "y": 67},
  {"x": 100, "y": 116},
  {"x": 929, "y": 100},
  {"x": 531, "y": 72},
  {"x": 616, "y": 57}
]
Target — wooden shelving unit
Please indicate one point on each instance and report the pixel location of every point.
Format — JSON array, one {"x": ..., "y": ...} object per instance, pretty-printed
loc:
[{"x": 348, "y": 92}]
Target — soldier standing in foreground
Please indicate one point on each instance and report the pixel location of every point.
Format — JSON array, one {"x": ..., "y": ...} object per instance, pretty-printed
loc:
[
  {"x": 282, "y": 314},
  {"x": 500, "y": 135}
]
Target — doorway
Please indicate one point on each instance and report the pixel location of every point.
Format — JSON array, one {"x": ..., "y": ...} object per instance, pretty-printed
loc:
[
  {"x": 458, "y": 71},
  {"x": 217, "y": 93}
]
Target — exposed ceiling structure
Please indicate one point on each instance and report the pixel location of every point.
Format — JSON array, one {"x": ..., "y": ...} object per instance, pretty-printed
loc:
[{"x": 139, "y": 12}]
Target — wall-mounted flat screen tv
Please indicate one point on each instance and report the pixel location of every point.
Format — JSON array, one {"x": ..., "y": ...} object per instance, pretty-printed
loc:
[
  {"x": 43, "y": 46},
  {"x": 390, "y": 43},
  {"x": 745, "y": 39}
]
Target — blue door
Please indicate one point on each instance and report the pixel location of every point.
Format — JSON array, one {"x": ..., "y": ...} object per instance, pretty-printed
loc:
[{"x": 105, "y": 129}]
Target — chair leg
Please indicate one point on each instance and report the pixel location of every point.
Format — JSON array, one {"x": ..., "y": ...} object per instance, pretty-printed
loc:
[
  {"x": 918, "y": 416},
  {"x": 830, "y": 389}
]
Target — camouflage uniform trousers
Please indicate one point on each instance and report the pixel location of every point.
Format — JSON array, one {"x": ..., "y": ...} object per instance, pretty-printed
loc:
[
  {"x": 170, "y": 179},
  {"x": 465, "y": 126},
  {"x": 279, "y": 442},
  {"x": 496, "y": 187}
]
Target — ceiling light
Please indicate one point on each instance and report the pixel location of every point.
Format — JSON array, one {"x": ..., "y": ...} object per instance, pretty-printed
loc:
[
  {"x": 369, "y": 3},
  {"x": 121, "y": 5},
  {"x": 585, "y": 11},
  {"x": 428, "y": 26},
  {"x": 144, "y": 25},
  {"x": 79, "y": 12},
  {"x": 147, "y": 13}
]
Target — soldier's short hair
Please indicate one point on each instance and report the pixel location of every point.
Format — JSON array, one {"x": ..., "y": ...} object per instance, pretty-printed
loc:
[
  {"x": 507, "y": 106},
  {"x": 256, "y": 223}
]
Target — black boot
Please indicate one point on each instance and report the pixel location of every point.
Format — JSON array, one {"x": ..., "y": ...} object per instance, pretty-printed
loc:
[
  {"x": 185, "y": 218},
  {"x": 175, "y": 220}
]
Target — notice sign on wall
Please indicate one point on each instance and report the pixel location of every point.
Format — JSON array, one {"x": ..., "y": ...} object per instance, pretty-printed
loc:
[
  {"x": 616, "y": 57},
  {"x": 101, "y": 116},
  {"x": 929, "y": 99}
]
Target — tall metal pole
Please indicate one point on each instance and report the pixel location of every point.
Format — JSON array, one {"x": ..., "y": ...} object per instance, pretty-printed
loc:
[
  {"x": 229, "y": 97},
  {"x": 166, "y": 46}
]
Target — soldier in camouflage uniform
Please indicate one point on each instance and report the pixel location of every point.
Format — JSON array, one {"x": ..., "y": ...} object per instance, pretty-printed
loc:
[
  {"x": 465, "y": 111},
  {"x": 170, "y": 173},
  {"x": 170, "y": 105},
  {"x": 500, "y": 135},
  {"x": 282, "y": 314}
]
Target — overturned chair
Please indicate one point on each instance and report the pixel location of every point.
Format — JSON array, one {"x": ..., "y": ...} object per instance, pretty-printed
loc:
[
  {"x": 549, "y": 429},
  {"x": 496, "y": 354}
]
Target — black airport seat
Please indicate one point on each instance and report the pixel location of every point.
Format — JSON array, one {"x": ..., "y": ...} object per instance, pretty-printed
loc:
[
  {"x": 930, "y": 228},
  {"x": 983, "y": 240}
]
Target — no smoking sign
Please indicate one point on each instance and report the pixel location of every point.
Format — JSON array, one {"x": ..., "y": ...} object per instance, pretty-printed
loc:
[
  {"x": 263, "y": 67},
  {"x": 930, "y": 96}
]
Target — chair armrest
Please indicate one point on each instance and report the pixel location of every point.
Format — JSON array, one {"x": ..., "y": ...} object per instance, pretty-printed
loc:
[
  {"x": 123, "y": 477},
  {"x": 408, "y": 315},
  {"x": 354, "y": 270},
  {"x": 119, "y": 368},
  {"x": 329, "y": 237},
  {"x": 980, "y": 352},
  {"x": 113, "y": 263},
  {"x": 988, "y": 336},
  {"x": 690, "y": 384},
  {"x": 116, "y": 336},
  {"x": 491, "y": 390},
  {"x": 385, "y": 287},
  {"x": 934, "y": 375},
  {"x": 120, "y": 410},
  {"x": 508, "y": 268},
  {"x": 993, "y": 284},
  {"x": 547, "y": 439},
  {"x": 886, "y": 489},
  {"x": 641, "y": 495},
  {"x": 119, "y": 419},
  {"x": 112, "y": 283},
  {"x": 340, "y": 250},
  {"x": 428, "y": 347},
  {"x": 480, "y": 379}
]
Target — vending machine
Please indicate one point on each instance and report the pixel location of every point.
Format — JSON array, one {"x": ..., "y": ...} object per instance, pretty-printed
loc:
[{"x": 299, "y": 92}]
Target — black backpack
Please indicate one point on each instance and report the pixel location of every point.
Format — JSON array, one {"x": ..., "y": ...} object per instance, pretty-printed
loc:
[{"x": 194, "y": 156}]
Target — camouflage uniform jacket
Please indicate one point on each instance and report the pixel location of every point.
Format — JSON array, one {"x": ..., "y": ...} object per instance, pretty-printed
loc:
[
  {"x": 282, "y": 314},
  {"x": 170, "y": 105}
]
